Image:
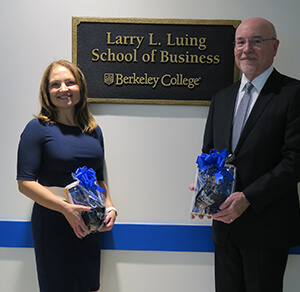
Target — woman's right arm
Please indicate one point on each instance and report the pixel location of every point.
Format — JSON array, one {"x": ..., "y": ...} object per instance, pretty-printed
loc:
[
  {"x": 46, "y": 198},
  {"x": 41, "y": 195}
]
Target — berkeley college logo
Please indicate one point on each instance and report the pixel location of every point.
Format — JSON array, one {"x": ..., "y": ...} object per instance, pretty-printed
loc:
[{"x": 109, "y": 78}]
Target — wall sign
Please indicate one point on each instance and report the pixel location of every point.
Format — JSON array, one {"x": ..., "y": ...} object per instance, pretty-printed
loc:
[{"x": 154, "y": 61}]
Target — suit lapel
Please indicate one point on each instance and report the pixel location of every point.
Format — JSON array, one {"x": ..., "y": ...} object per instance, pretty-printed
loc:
[
  {"x": 262, "y": 102},
  {"x": 229, "y": 111}
]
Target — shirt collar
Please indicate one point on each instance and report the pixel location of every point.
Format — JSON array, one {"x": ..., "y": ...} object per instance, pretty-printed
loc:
[{"x": 259, "y": 81}]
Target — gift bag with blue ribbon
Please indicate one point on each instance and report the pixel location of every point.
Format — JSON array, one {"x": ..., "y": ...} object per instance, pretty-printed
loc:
[
  {"x": 85, "y": 191},
  {"x": 215, "y": 181}
]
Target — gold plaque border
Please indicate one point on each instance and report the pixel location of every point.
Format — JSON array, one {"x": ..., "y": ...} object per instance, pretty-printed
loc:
[{"x": 76, "y": 20}]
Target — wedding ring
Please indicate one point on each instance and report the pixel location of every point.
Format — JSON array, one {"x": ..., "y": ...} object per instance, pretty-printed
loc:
[{"x": 231, "y": 220}]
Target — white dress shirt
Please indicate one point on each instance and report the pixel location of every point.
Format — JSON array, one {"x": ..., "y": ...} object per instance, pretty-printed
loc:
[{"x": 258, "y": 84}]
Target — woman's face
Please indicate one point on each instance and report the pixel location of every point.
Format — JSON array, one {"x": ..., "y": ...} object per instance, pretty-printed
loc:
[{"x": 63, "y": 90}]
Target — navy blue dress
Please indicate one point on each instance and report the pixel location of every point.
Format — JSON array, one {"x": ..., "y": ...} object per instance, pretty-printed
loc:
[{"x": 49, "y": 153}]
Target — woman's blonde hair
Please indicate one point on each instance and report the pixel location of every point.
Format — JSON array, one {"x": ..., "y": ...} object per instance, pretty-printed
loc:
[{"x": 48, "y": 112}]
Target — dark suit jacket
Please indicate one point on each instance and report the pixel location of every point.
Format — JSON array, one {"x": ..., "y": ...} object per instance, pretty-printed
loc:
[{"x": 267, "y": 161}]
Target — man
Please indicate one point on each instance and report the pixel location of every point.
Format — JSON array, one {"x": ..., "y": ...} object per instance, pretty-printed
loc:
[{"x": 260, "y": 221}]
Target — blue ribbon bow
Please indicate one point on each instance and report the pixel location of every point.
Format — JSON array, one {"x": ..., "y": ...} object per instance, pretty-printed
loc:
[
  {"x": 87, "y": 179},
  {"x": 217, "y": 160}
]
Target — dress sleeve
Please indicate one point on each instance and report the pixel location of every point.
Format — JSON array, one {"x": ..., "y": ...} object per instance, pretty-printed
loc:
[
  {"x": 100, "y": 170},
  {"x": 30, "y": 151}
]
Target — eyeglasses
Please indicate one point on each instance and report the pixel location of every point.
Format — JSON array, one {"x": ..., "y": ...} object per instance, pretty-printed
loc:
[{"x": 255, "y": 42}]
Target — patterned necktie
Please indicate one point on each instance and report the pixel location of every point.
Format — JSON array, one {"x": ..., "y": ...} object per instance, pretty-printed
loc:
[{"x": 240, "y": 117}]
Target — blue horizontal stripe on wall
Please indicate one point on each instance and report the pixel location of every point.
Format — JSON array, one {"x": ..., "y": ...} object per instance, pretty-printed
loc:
[{"x": 155, "y": 237}]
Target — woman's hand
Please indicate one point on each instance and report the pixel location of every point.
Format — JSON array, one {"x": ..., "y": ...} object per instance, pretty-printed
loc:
[
  {"x": 111, "y": 213},
  {"x": 73, "y": 216},
  {"x": 109, "y": 221}
]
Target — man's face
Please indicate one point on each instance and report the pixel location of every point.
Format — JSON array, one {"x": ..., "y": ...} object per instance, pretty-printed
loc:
[{"x": 257, "y": 47}]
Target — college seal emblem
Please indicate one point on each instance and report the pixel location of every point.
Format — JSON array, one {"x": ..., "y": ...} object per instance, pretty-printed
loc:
[{"x": 109, "y": 78}]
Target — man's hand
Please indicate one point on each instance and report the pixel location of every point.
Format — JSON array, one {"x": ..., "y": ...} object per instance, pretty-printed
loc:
[{"x": 233, "y": 207}]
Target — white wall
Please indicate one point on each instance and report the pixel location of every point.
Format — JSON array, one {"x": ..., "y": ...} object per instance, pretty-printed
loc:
[{"x": 150, "y": 150}]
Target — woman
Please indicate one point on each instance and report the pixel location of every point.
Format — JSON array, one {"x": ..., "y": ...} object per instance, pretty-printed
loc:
[{"x": 61, "y": 139}]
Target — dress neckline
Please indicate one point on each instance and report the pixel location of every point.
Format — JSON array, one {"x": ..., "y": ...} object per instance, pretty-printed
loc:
[{"x": 65, "y": 125}]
